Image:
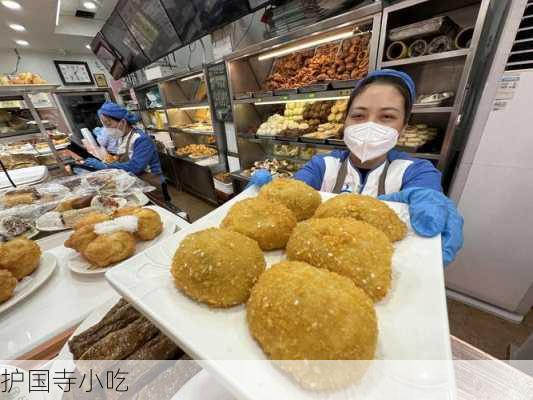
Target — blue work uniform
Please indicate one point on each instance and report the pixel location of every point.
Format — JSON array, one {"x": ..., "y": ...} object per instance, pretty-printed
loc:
[
  {"x": 138, "y": 154},
  {"x": 402, "y": 172}
]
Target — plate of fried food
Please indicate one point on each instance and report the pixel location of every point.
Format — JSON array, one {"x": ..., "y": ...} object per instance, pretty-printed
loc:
[
  {"x": 288, "y": 277},
  {"x": 102, "y": 240},
  {"x": 23, "y": 269}
]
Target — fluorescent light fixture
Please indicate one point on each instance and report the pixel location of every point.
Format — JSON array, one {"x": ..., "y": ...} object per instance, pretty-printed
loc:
[
  {"x": 89, "y": 5},
  {"x": 194, "y": 108},
  {"x": 12, "y": 5},
  {"x": 88, "y": 46},
  {"x": 302, "y": 46},
  {"x": 262, "y": 103},
  {"x": 57, "y": 11},
  {"x": 17, "y": 27},
  {"x": 22, "y": 42},
  {"x": 188, "y": 78}
]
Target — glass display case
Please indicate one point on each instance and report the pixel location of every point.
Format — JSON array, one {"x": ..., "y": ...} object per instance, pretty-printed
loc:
[
  {"x": 177, "y": 112},
  {"x": 27, "y": 137}
]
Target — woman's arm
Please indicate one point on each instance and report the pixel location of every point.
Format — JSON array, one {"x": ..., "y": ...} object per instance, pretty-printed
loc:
[{"x": 421, "y": 173}]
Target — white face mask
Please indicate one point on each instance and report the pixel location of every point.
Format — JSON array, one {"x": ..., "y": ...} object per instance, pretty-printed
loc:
[
  {"x": 369, "y": 140},
  {"x": 113, "y": 132}
]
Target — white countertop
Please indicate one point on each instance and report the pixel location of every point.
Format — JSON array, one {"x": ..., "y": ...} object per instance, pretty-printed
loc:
[{"x": 59, "y": 304}]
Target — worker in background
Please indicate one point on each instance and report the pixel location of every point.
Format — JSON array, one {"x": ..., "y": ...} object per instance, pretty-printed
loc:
[
  {"x": 378, "y": 110},
  {"x": 136, "y": 151}
]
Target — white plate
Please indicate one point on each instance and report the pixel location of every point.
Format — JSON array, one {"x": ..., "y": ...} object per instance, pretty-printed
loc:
[
  {"x": 138, "y": 199},
  {"x": 43, "y": 225},
  {"x": 81, "y": 266},
  {"x": 413, "y": 321},
  {"x": 32, "y": 282}
]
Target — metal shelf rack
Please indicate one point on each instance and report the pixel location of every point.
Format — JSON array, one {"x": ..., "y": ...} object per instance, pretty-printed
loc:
[{"x": 23, "y": 93}]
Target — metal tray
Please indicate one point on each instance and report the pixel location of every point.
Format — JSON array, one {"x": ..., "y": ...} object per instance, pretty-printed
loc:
[
  {"x": 263, "y": 93},
  {"x": 312, "y": 140},
  {"x": 336, "y": 142},
  {"x": 285, "y": 92},
  {"x": 431, "y": 27},
  {"x": 316, "y": 87},
  {"x": 287, "y": 138},
  {"x": 242, "y": 96},
  {"x": 268, "y": 137},
  {"x": 350, "y": 83}
]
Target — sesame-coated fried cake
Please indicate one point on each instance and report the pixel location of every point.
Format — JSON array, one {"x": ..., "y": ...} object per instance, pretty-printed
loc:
[
  {"x": 217, "y": 267},
  {"x": 348, "y": 247},
  {"x": 268, "y": 223},
  {"x": 366, "y": 209}
]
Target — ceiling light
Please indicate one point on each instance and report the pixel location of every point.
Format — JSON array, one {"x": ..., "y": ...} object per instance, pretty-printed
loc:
[
  {"x": 12, "y": 5},
  {"x": 89, "y": 5},
  {"x": 17, "y": 27},
  {"x": 88, "y": 46},
  {"x": 22, "y": 42},
  {"x": 187, "y": 78},
  {"x": 58, "y": 9},
  {"x": 259, "y": 103},
  {"x": 306, "y": 45}
]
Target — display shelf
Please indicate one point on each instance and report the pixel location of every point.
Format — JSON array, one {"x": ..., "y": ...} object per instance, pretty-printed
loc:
[
  {"x": 431, "y": 110},
  {"x": 36, "y": 134},
  {"x": 16, "y": 89},
  {"x": 157, "y": 129},
  {"x": 297, "y": 97},
  {"x": 152, "y": 109},
  {"x": 30, "y": 131},
  {"x": 188, "y": 105},
  {"x": 424, "y": 59},
  {"x": 178, "y": 130}
]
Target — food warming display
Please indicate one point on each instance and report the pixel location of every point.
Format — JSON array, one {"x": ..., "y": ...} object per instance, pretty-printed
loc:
[{"x": 343, "y": 61}]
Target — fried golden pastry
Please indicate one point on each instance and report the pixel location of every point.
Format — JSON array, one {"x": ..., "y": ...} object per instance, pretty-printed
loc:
[
  {"x": 20, "y": 257},
  {"x": 349, "y": 247},
  {"x": 121, "y": 212},
  {"x": 296, "y": 195},
  {"x": 366, "y": 209},
  {"x": 217, "y": 267},
  {"x": 299, "y": 312},
  {"x": 268, "y": 223},
  {"x": 80, "y": 238},
  {"x": 150, "y": 225},
  {"x": 91, "y": 219},
  {"x": 109, "y": 249},
  {"x": 7, "y": 285}
]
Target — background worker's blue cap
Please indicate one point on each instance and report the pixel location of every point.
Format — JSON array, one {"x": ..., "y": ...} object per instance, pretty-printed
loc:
[
  {"x": 113, "y": 110},
  {"x": 402, "y": 76}
]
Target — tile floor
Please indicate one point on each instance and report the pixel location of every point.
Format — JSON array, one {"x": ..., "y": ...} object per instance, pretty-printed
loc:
[{"x": 484, "y": 331}]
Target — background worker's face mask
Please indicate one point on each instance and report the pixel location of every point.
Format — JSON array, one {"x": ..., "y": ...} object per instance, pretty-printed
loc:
[
  {"x": 115, "y": 133},
  {"x": 369, "y": 140}
]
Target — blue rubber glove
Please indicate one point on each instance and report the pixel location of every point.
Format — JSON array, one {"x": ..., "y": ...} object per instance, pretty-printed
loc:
[
  {"x": 431, "y": 213},
  {"x": 94, "y": 163},
  {"x": 260, "y": 178}
]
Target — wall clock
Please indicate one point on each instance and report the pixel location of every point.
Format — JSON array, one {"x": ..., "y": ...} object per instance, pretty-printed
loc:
[{"x": 74, "y": 72}]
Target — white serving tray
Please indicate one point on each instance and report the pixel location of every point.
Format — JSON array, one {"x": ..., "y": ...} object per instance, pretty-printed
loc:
[{"x": 413, "y": 323}]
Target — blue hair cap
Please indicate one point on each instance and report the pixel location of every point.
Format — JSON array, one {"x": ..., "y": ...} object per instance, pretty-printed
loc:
[
  {"x": 402, "y": 76},
  {"x": 113, "y": 110}
]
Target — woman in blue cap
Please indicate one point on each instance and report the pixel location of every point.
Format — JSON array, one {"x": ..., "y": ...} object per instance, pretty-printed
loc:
[
  {"x": 378, "y": 110},
  {"x": 136, "y": 151}
]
